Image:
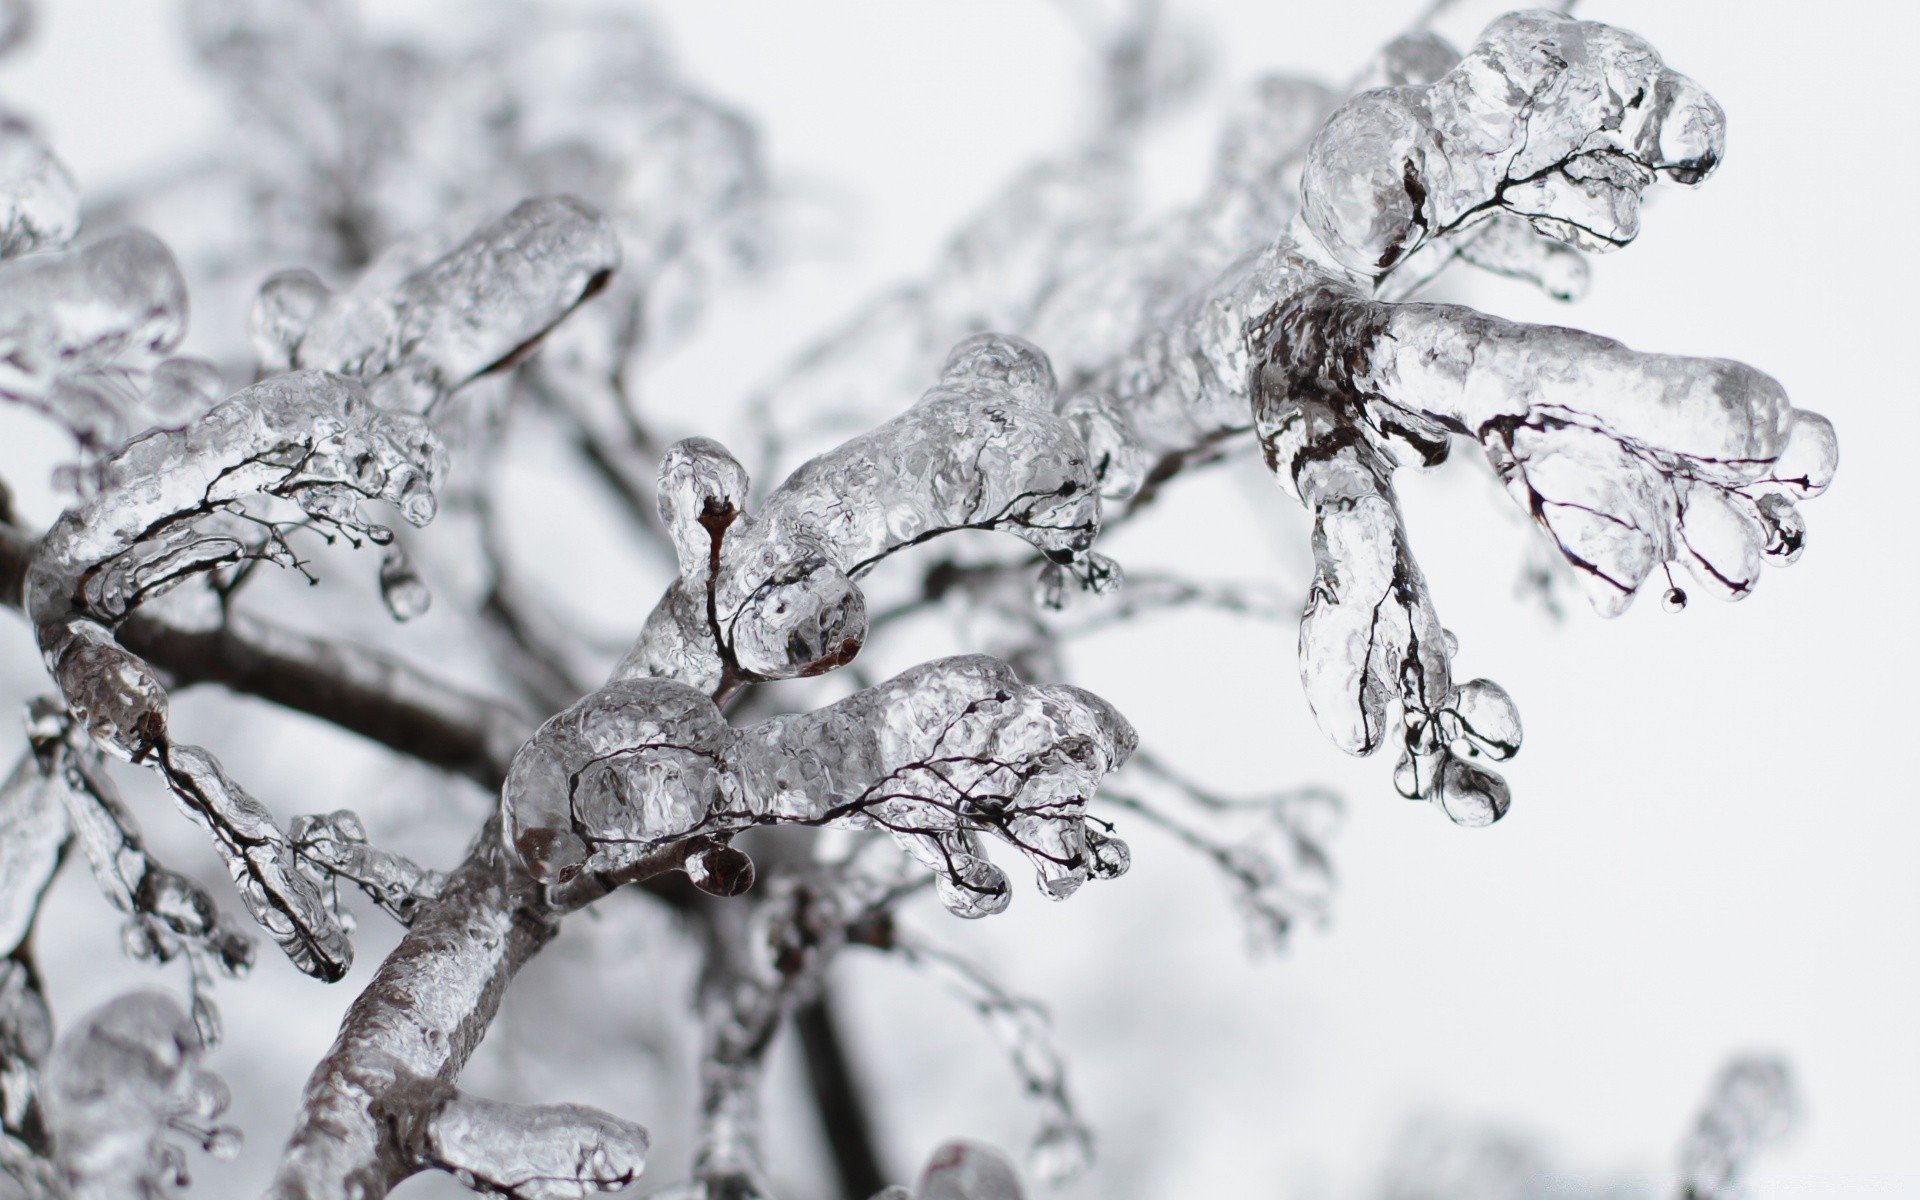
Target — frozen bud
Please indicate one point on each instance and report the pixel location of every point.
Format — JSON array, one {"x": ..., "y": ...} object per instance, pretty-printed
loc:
[
  {"x": 720, "y": 870},
  {"x": 703, "y": 490}
]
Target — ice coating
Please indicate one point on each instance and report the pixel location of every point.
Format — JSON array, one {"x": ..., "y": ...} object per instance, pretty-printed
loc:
[
  {"x": 518, "y": 1151},
  {"x": 936, "y": 756},
  {"x": 33, "y": 831},
  {"x": 1627, "y": 460},
  {"x": 1370, "y": 636},
  {"x": 1561, "y": 122},
  {"x": 1753, "y": 1106},
  {"x": 770, "y": 595},
  {"x": 262, "y": 861},
  {"x": 117, "y": 1082},
  {"x": 73, "y": 324},
  {"x": 39, "y": 204},
  {"x": 416, "y": 332},
  {"x": 311, "y": 438},
  {"x": 1062, "y": 1148},
  {"x": 334, "y": 846},
  {"x": 167, "y": 914}
]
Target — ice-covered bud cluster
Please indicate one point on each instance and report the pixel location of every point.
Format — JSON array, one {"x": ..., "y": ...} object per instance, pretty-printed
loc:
[
  {"x": 518, "y": 1151},
  {"x": 770, "y": 595},
  {"x": 937, "y": 756},
  {"x": 1562, "y": 123},
  {"x": 424, "y": 320},
  {"x": 116, "y": 1084}
]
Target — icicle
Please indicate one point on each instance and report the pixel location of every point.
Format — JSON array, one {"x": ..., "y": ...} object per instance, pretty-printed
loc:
[{"x": 401, "y": 588}]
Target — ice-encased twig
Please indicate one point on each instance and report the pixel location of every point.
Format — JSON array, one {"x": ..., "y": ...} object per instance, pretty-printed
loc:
[
  {"x": 769, "y": 595},
  {"x": 1270, "y": 849},
  {"x": 117, "y": 1083},
  {"x": 420, "y": 325},
  {"x": 333, "y": 846},
  {"x": 1627, "y": 460},
  {"x": 168, "y": 915},
  {"x": 1753, "y": 1106},
  {"x": 936, "y": 756},
  {"x": 1062, "y": 1147},
  {"x": 1561, "y": 122},
  {"x": 281, "y": 897},
  {"x": 419, "y": 1018},
  {"x": 1370, "y": 637},
  {"x": 513, "y": 1151}
]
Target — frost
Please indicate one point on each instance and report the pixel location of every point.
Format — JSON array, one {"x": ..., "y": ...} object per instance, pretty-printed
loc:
[
  {"x": 769, "y": 595},
  {"x": 117, "y": 1083},
  {"x": 936, "y": 757},
  {"x": 519, "y": 1152}
]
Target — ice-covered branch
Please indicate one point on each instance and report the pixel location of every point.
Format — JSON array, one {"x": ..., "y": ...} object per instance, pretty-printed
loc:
[
  {"x": 335, "y": 845},
  {"x": 769, "y": 595},
  {"x": 935, "y": 756},
  {"x": 1562, "y": 123},
  {"x": 421, "y": 323},
  {"x": 418, "y": 1019},
  {"x": 513, "y": 1151}
]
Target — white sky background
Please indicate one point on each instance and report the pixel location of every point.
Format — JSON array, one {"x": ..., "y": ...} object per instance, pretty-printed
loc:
[{"x": 1715, "y": 820}]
